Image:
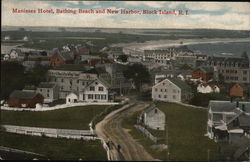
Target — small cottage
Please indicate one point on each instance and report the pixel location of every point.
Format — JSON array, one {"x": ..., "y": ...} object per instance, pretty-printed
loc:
[
  {"x": 24, "y": 99},
  {"x": 203, "y": 73},
  {"x": 71, "y": 98},
  {"x": 236, "y": 91},
  {"x": 153, "y": 118}
]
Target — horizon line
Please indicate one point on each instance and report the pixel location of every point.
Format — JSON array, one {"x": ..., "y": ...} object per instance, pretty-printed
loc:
[{"x": 131, "y": 28}]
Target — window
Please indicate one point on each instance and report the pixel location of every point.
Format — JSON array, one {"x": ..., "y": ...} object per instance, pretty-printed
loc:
[
  {"x": 244, "y": 78},
  {"x": 165, "y": 96},
  {"x": 41, "y": 90},
  {"x": 159, "y": 96},
  {"x": 62, "y": 80},
  {"x": 92, "y": 88},
  {"x": 174, "y": 91},
  {"x": 155, "y": 89},
  {"x": 48, "y": 90},
  {"x": 244, "y": 72},
  {"x": 161, "y": 90},
  {"x": 48, "y": 95},
  {"x": 174, "y": 97},
  {"x": 103, "y": 97},
  {"x": 100, "y": 88},
  {"x": 83, "y": 83},
  {"x": 166, "y": 90},
  {"x": 156, "y": 111},
  {"x": 97, "y": 96},
  {"x": 90, "y": 96}
]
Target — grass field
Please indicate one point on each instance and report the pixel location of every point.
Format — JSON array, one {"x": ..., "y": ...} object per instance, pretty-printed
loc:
[
  {"x": 69, "y": 118},
  {"x": 186, "y": 128},
  {"x": 55, "y": 149}
]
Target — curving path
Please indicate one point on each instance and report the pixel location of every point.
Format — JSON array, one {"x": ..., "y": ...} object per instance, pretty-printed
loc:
[{"x": 110, "y": 129}]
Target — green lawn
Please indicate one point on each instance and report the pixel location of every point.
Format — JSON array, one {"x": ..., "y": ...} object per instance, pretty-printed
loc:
[
  {"x": 69, "y": 118},
  {"x": 55, "y": 149},
  {"x": 187, "y": 127}
]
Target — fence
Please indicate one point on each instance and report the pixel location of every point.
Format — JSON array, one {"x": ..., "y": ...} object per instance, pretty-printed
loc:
[
  {"x": 51, "y": 132},
  {"x": 57, "y": 106},
  {"x": 146, "y": 132}
]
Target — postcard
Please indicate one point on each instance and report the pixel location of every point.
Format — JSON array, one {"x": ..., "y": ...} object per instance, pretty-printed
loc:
[{"x": 125, "y": 80}]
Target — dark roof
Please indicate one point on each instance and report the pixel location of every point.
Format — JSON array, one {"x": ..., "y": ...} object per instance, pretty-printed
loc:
[
  {"x": 207, "y": 69},
  {"x": 46, "y": 85},
  {"x": 22, "y": 94},
  {"x": 227, "y": 106},
  {"x": 181, "y": 84},
  {"x": 71, "y": 67},
  {"x": 107, "y": 85},
  {"x": 244, "y": 120},
  {"x": 150, "y": 109},
  {"x": 65, "y": 55},
  {"x": 29, "y": 87}
]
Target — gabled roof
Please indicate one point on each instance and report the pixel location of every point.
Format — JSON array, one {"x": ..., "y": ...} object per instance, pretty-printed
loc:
[
  {"x": 150, "y": 109},
  {"x": 17, "y": 50},
  {"x": 71, "y": 67},
  {"x": 207, "y": 69},
  {"x": 181, "y": 84},
  {"x": 103, "y": 82},
  {"x": 46, "y": 85},
  {"x": 22, "y": 94},
  {"x": 227, "y": 106},
  {"x": 66, "y": 56},
  {"x": 244, "y": 120}
]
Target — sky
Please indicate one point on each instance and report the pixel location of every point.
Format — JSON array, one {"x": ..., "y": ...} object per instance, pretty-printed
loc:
[{"x": 218, "y": 15}]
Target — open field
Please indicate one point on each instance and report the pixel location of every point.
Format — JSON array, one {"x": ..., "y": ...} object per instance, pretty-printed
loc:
[
  {"x": 186, "y": 128},
  {"x": 69, "y": 118},
  {"x": 54, "y": 149}
]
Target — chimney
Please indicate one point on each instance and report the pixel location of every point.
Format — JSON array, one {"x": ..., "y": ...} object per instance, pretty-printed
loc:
[
  {"x": 243, "y": 107},
  {"x": 237, "y": 104}
]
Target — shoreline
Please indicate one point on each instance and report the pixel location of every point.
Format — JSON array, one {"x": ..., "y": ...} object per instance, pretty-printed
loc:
[{"x": 168, "y": 43}]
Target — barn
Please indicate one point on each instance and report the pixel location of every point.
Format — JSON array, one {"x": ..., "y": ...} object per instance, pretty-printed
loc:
[{"x": 24, "y": 99}]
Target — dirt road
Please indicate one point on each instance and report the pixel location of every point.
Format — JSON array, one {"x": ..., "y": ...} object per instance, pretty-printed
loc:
[{"x": 110, "y": 129}]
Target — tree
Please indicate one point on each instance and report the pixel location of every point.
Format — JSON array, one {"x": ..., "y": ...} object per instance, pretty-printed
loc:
[
  {"x": 123, "y": 58},
  {"x": 36, "y": 75},
  {"x": 185, "y": 67},
  {"x": 138, "y": 73},
  {"x": 12, "y": 77}
]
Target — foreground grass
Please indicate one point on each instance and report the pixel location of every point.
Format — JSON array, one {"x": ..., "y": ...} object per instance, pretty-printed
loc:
[
  {"x": 69, "y": 118},
  {"x": 55, "y": 149},
  {"x": 186, "y": 128}
]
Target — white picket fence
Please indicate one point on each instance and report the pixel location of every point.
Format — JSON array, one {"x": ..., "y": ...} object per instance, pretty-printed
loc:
[
  {"x": 51, "y": 132},
  {"x": 57, "y": 106}
]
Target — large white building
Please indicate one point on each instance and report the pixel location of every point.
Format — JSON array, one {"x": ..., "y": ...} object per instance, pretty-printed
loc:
[
  {"x": 172, "y": 90},
  {"x": 96, "y": 91}
]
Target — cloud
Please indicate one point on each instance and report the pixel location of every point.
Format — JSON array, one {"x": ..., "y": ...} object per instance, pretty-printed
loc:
[
  {"x": 149, "y": 4},
  {"x": 233, "y": 17}
]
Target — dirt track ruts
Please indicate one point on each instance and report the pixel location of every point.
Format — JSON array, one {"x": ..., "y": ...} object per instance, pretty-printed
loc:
[{"x": 110, "y": 129}]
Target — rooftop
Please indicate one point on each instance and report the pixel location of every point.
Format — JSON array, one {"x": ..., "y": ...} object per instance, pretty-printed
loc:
[
  {"x": 46, "y": 85},
  {"x": 181, "y": 84},
  {"x": 22, "y": 94},
  {"x": 227, "y": 106},
  {"x": 71, "y": 67}
]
